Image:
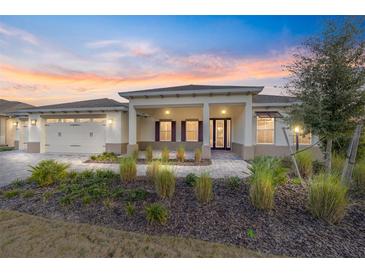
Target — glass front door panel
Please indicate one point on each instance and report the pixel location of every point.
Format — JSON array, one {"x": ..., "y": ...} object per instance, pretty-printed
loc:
[
  {"x": 228, "y": 134},
  {"x": 219, "y": 133},
  {"x": 211, "y": 129}
]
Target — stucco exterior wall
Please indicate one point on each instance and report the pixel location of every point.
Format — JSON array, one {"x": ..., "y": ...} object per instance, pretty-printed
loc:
[
  {"x": 2, "y": 130},
  {"x": 10, "y": 132}
]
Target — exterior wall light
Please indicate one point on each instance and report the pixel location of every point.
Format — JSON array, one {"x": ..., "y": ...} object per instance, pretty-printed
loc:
[
  {"x": 223, "y": 111},
  {"x": 110, "y": 121},
  {"x": 15, "y": 124},
  {"x": 33, "y": 122},
  {"x": 167, "y": 112}
]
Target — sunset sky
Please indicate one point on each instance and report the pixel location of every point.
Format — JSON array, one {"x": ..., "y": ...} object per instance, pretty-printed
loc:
[{"x": 53, "y": 59}]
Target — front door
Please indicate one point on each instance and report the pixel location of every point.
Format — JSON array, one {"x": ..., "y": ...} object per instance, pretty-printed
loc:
[{"x": 220, "y": 133}]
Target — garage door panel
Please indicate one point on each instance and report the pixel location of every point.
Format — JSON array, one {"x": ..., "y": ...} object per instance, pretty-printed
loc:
[{"x": 75, "y": 138}]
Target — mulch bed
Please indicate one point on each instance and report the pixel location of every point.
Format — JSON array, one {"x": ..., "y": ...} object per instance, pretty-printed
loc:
[
  {"x": 174, "y": 162},
  {"x": 287, "y": 230}
]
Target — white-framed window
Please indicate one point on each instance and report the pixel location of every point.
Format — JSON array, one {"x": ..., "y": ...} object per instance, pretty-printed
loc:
[
  {"x": 265, "y": 130},
  {"x": 99, "y": 120},
  {"x": 83, "y": 120},
  {"x": 192, "y": 131},
  {"x": 303, "y": 139},
  {"x": 67, "y": 120},
  {"x": 52, "y": 120},
  {"x": 165, "y": 131}
]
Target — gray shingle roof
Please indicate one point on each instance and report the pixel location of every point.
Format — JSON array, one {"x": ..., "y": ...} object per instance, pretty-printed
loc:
[
  {"x": 261, "y": 99},
  {"x": 96, "y": 103},
  {"x": 11, "y": 106}
]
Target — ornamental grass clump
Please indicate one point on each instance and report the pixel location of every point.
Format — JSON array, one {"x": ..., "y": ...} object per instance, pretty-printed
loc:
[
  {"x": 327, "y": 198},
  {"x": 267, "y": 172},
  {"x": 305, "y": 163},
  {"x": 198, "y": 155},
  {"x": 149, "y": 153},
  {"x": 165, "y": 182},
  {"x": 204, "y": 188},
  {"x": 135, "y": 155},
  {"x": 152, "y": 170},
  {"x": 180, "y": 154},
  {"x": 165, "y": 155},
  {"x": 48, "y": 172},
  {"x": 156, "y": 213},
  {"x": 337, "y": 163},
  {"x": 128, "y": 169}
]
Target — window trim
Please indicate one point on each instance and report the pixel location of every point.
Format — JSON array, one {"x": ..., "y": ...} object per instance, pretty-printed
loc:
[
  {"x": 273, "y": 131},
  {"x": 197, "y": 130},
  {"x": 165, "y": 121}
]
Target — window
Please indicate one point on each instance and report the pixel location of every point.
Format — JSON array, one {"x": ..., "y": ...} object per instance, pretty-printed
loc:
[
  {"x": 99, "y": 120},
  {"x": 265, "y": 130},
  {"x": 83, "y": 120},
  {"x": 165, "y": 131},
  {"x": 303, "y": 139},
  {"x": 68, "y": 120},
  {"x": 192, "y": 131},
  {"x": 51, "y": 120}
]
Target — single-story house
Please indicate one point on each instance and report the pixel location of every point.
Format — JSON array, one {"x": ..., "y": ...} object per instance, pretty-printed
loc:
[{"x": 235, "y": 118}]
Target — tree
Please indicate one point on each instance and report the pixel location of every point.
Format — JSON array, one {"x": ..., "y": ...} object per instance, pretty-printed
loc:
[{"x": 328, "y": 77}]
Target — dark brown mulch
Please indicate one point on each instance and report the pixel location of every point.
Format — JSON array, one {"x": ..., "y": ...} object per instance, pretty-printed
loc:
[
  {"x": 174, "y": 162},
  {"x": 287, "y": 230}
]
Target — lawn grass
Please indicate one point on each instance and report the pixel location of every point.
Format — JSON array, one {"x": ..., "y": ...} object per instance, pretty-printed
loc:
[{"x": 24, "y": 235}]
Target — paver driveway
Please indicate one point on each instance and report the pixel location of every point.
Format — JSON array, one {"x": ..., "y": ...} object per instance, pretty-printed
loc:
[{"x": 15, "y": 165}]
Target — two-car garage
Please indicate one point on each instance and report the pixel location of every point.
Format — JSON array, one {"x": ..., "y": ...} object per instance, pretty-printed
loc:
[{"x": 75, "y": 135}]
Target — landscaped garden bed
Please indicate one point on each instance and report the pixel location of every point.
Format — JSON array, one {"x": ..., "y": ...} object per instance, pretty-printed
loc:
[
  {"x": 102, "y": 198},
  {"x": 187, "y": 162}
]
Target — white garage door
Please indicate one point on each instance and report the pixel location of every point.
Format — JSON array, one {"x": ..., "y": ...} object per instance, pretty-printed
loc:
[{"x": 70, "y": 137}]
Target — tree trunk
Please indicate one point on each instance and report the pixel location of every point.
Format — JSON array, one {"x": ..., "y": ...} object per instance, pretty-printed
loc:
[{"x": 329, "y": 155}]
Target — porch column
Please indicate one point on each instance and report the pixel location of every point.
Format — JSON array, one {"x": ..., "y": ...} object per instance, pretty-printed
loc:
[
  {"x": 206, "y": 132},
  {"x": 132, "y": 130},
  {"x": 248, "y": 149}
]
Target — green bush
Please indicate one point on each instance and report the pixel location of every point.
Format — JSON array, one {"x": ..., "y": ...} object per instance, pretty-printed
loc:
[
  {"x": 233, "y": 182},
  {"x": 165, "y": 154},
  {"x": 152, "y": 169},
  {"x": 130, "y": 209},
  {"x": 274, "y": 164},
  {"x": 105, "y": 157},
  {"x": 48, "y": 172},
  {"x": 191, "y": 179},
  {"x": 128, "y": 169},
  {"x": 198, "y": 155},
  {"x": 165, "y": 182},
  {"x": 138, "y": 194},
  {"x": 11, "y": 193},
  {"x": 327, "y": 198},
  {"x": 180, "y": 153},
  {"x": 305, "y": 163},
  {"x": 337, "y": 163},
  {"x": 358, "y": 182},
  {"x": 156, "y": 213},
  {"x": 262, "y": 189},
  {"x": 204, "y": 188},
  {"x": 149, "y": 153}
]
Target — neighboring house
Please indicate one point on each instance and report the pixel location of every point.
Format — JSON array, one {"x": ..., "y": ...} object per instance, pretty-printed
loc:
[
  {"x": 7, "y": 125},
  {"x": 233, "y": 118}
]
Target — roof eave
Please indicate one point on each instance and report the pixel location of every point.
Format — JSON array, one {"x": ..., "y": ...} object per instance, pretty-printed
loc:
[{"x": 40, "y": 110}]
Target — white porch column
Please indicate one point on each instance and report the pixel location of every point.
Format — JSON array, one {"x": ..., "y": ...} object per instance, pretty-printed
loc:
[
  {"x": 206, "y": 154},
  {"x": 248, "y": 149},
  {"x": 132, "y": 131}
]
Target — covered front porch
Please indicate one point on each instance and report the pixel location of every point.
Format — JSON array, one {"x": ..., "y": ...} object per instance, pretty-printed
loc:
[{"x": 211, "y": 126}]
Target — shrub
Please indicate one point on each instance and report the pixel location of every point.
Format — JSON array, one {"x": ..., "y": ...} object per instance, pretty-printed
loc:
[
  {"x": 105, "y": 174},
  {"x": 358, "y": 180},
  {"x": 337, "y": 163},
  {"x": 152, "y": 169},
  {"x": 47, "y": 172},
  {"x": 327, "y": 198},
  {"x": 180, "y": 153},
  {"x": 165, "y": 182},
  {"x": 149, "y": 153},
  {"x": 105, "y": 157},
  {"x": 262, "y": 189},
  {"x": 117, "y": 192},
  {"x": 138, "y": 194},
  {"x": 130, "y": 209},
  {"x": 305, "y": 163},
  {"x": 191, "y": 179},
  {"x": 279, "y": 172},
  {"x": 233, "y": 182},
  {"x": 128, "y": 169},
  {"x": 156, "y": 213},
  {"x": 165, "y": 155},
  {"x": 11, "y": 193},
  {"x": 204, "y": 188},
  {"x": 198, "y": 155},
  {"x": 135, "y": 154}
]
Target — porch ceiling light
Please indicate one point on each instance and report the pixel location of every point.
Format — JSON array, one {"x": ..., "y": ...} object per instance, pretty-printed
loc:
[
  {"x": 224, "y": 111},
  {"x": 33, "y": 122},
  {"x": 110, "y": 121},
  {"x": 15, "y": 124},
  {"x": 167, "y": 112}
]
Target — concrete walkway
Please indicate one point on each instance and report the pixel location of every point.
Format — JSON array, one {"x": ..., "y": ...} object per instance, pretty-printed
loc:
[{"x": 15, "y": 165}]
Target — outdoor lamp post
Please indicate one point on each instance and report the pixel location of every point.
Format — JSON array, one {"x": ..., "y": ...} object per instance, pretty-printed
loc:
[{"x": 296, "y": 130}]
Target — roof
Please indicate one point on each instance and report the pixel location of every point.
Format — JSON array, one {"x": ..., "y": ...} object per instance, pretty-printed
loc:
[
  {"x": 11, "y": 106},
  {"x": 97, "y": 104},
  {"x": 191, "y": 90},
  {"x": 273, "y": 99}
]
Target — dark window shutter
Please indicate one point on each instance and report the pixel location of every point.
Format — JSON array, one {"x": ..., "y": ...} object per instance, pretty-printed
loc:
[
  {"x": 157, "y": 131},
  {"x": 183, "y": 131},
  {"x": 173, "y": 129},
  {"x": 200, "y": 131}
]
